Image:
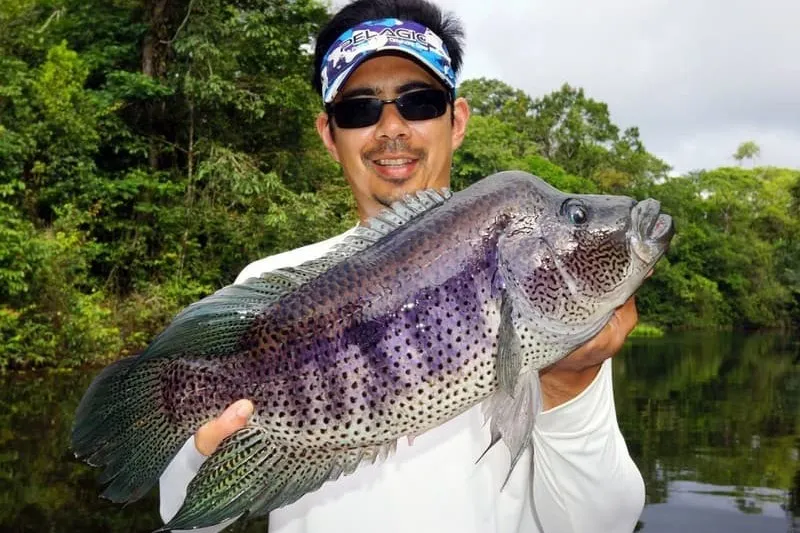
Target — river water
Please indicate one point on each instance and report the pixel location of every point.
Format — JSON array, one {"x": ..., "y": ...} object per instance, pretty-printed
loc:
[{"x": 712, "y": 421}]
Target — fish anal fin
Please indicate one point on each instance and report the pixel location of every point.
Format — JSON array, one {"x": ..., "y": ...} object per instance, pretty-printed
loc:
[{"x": 251, "y": 475}]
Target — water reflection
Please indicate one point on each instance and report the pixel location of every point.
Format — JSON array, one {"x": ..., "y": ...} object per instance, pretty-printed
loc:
[
  {"x": 701, "y": 507},
  {"x": 42, "y": 487},
  {"x": 713, "y": 421}
]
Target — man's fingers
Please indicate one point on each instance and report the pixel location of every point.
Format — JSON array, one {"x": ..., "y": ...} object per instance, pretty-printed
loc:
[{"x": 212, "y": 433}]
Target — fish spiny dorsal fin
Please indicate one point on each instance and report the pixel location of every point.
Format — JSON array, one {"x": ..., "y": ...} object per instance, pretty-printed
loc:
[
  {"x": 398, "y": 215},
  {"x": 373, "y": 230}
]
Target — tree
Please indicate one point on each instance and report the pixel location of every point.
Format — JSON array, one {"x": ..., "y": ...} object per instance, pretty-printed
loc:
[
  {"x": 747, "y": 150},
  {"x": 573, "y": 131},
  {"x": 148, "y": 150},
  {"x": 487, "y": 148},
  {"x": 569, "y": 129},
  {"x": 507, "y": 105}
]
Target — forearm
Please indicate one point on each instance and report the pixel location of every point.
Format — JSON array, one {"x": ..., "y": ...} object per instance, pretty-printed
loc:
[
  {"x": 584, "y": 479},
  {"x": 560, "y": 386},
  {"x": 569, "y": 377}
]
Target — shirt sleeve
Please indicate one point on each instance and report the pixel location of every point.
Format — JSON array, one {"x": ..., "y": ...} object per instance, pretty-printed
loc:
[{"x": 584, "y": 479}]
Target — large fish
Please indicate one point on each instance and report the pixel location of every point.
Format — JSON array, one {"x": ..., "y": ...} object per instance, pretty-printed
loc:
[{"x": 439, "y": 304}]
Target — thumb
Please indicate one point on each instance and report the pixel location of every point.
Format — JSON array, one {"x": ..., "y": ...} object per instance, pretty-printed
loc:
[{"x": 215, "y": 431}]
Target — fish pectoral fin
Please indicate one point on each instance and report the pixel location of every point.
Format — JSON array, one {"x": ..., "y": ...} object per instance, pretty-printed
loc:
[
  {"x": 512, "y": 408},
  {"x": 509, "y": 350},
  {"x": 252, "y": 475}
]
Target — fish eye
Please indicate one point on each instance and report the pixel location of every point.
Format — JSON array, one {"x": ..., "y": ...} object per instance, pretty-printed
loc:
[{"x": 575, "y": 211}]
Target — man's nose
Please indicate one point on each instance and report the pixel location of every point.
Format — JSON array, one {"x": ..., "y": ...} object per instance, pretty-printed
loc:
[{"x": 391, "y": 123}]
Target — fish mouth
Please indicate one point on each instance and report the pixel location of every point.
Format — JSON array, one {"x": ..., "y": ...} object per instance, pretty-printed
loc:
[{"x": 652, "y": 230}]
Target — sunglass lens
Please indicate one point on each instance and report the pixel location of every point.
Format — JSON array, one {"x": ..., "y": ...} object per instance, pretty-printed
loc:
[
  {"x": 426, "y": 104},
  {"x": 357, "y": 112}
]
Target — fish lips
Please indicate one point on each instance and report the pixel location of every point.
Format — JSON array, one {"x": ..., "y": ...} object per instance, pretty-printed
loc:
[{"x": 652, "y": 230}]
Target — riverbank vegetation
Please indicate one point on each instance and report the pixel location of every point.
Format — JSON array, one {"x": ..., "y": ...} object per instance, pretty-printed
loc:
[{"x": 150, "y": 149}]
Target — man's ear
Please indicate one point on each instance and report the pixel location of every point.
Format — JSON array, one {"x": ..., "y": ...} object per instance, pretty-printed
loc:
[
  {"x": 324, "y": 130},
  {"x": 460, "y": 119}
]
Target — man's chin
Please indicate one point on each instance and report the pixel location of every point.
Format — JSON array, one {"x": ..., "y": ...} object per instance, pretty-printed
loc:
[{"x": 388, "y": 198}]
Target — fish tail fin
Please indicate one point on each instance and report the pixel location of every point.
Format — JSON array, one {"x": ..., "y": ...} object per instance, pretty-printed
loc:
[
  {"x": 126, "y": 420},
  {"x": 512, "y": 416},
  {"x": 251, "y": 475},
  {"x": 121, "y": 424}
]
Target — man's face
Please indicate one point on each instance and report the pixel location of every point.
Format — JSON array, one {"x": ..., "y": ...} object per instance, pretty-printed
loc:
[{"x": 394, "y": 156}]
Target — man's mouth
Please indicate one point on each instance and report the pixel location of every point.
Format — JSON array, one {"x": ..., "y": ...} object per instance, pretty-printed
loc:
[
  {"x": 395, "y": 168},
  {"x": 393, "y": 162}
]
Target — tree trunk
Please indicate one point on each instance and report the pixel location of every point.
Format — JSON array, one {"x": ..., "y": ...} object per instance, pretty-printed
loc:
[
  {"x": 156, "y": 41},
  {"x": 154, "y": 64}
]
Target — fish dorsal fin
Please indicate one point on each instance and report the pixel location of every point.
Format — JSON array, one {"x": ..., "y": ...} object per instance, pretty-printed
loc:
[
  {"x": 373, "y": 230},
  {"x": 230, "y": 310},
  {"x": 387, "y": 221}
]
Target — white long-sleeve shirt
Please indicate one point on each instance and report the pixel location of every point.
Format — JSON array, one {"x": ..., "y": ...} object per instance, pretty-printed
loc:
[{"x": 581, "y": 478}]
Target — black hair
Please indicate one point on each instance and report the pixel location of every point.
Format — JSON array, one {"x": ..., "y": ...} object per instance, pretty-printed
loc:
[{"x": 445, "y": 25}]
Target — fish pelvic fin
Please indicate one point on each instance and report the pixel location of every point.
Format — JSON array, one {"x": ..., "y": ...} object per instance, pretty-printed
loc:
[
  {"x": 250, "y": 475},
  {"x": 512, "y": 416},
  {"x": 512, "y": 409}
]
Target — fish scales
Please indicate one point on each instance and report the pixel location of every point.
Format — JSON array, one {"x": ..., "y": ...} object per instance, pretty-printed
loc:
[
  {"x": 322, "y": 376},
  {"x": 441, "y": 305}
]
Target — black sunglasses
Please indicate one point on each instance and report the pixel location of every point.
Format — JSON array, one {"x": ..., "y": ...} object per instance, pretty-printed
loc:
[{"x": 425, "y": 104}]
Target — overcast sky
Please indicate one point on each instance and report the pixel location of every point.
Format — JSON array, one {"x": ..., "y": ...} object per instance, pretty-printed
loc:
[{"x": 696, "y": 76}]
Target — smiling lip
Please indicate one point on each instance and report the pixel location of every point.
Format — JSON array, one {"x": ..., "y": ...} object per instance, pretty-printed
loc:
[{"x": 395, "y": 167}]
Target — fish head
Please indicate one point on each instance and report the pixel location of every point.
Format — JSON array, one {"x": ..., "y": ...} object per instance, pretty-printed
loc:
[{"x": 570, "y": 260}]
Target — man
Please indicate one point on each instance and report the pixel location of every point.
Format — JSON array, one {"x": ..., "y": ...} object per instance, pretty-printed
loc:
[{"x": 392, "y": 122}]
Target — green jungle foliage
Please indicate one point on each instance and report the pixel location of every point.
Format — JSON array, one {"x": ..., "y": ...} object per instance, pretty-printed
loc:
[{"x": 151, "y": 149}]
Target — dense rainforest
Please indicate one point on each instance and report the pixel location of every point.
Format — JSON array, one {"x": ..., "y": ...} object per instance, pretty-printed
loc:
[{"x": 149, "y": 149}]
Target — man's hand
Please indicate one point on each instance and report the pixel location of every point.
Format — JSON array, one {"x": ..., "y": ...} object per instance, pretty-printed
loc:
[
  {"x": 212, "y": 433},
  {"x": 567, "y": 378}
]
